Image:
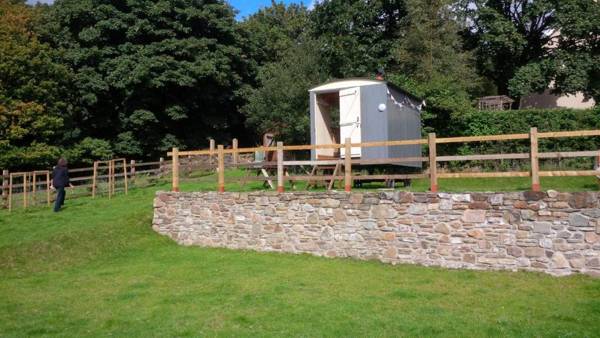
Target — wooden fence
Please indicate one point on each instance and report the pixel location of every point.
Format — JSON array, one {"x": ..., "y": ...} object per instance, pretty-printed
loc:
[
  {"x": 432, "y": 159},
  {"x": 184, "y": 162},
  {"x": 26, "y": 186}
]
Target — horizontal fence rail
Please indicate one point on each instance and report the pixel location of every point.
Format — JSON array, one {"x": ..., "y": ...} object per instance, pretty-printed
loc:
[
  {"x": 27, "y": 188},
  {"x": 105, "y": 178},
  {"x": 343, "y": 166},
  {"x": 24, "y": 187},
  {"x": 505, "y": 137}
]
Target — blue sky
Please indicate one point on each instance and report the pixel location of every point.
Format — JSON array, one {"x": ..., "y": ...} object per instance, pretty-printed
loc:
[{"x": 245, "y": 7}]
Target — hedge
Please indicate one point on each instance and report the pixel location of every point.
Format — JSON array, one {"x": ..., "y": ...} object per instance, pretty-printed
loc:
[{"x": 475, "y": 123}]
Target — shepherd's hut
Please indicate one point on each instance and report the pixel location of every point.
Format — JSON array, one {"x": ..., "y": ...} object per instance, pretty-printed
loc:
[{"x": 364, "y": 110}]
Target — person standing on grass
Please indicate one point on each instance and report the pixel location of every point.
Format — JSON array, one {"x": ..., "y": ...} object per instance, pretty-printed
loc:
[{"x": 60, "y": 180}]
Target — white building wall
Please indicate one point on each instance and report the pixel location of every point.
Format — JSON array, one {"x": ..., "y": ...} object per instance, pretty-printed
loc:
[{"x": 549, "y": 100}]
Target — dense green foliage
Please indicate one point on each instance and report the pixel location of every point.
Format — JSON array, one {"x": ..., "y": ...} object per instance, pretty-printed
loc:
[
  {"x": 431, "y": 51},
  {"x": 93, "y": 79},
  {"x": 356, "y": 36},
  {"x": 32, "y": 108},
  {"x": 509, "y": 34},
  {"x": 273, "y": 30},
  {"x": 527, "y": 46},
  {"x": 337, "y": 39},
  {"x": 279, "y": 104},
  {"x": 288, "y": 64},
  {"x": 151, "y": 75},
  {"x": 431, "y": 63},
  {"x": 573, "y": 64},
  {"x": 520, "y": 121}
]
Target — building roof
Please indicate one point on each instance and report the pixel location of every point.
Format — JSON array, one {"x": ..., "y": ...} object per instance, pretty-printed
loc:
[{"x": 339, "y": 84}]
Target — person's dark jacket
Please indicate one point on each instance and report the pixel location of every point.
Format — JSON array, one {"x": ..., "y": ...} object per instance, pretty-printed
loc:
[{"x": 60, "y": 177}]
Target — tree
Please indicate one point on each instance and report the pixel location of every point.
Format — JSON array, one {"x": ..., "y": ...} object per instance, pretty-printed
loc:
[
  {"x": 287, "y": 64},
  {"x": 572, "y": 63},
  {"x": 509, "y": 34},
  {"x": 274, "y": 29},
  {"x": 430, "y": 52},
  {"x": 34, "y": 100},
  {"x": 298, "y": 50},
  {"x": 356, "y": 36},
  {"x": 152, "y": 74},
  {"x": 431, "y": 63},
  {"x": 280, "y": 102}
]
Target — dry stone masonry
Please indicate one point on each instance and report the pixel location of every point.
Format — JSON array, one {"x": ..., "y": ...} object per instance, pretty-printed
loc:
[{"x": 551, "y": 232}]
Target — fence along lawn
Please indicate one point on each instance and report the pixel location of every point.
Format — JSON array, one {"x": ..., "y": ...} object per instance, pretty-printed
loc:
[
  {"x": 100, "y": 180},
  {"x": 432, "y": 159},
  {"x": 104, "y": 178},
  {"x": 32, "y": 188}
]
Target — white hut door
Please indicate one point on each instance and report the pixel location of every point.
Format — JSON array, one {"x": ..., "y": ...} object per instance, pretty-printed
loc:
[{"x": 350, "y": 119}]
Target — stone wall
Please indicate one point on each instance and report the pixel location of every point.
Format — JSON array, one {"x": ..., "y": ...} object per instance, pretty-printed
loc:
[{"x": 556, "y": 233}]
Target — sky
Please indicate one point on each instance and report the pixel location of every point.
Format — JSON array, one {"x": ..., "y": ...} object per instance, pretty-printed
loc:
[{"x": 245, "y": 7}]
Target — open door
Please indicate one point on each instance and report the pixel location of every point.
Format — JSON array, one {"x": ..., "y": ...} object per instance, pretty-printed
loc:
[{"x": 350, "y": 119}]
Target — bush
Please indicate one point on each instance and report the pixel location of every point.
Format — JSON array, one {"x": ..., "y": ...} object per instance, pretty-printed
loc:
[
  {"x": 32, "y": 157},
  {"x": 474, "y": 123},
  {"x": 519, "y": 121},
  {"x": 89, "y": 150}
]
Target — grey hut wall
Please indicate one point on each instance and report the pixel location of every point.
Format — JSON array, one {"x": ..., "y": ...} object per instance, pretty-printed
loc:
[
  {"x": 374, "y": 124},
  {"x": 395, "y": 123},
  {"x": 313, "y": 134},
  {"x": 404, "y": 123}
]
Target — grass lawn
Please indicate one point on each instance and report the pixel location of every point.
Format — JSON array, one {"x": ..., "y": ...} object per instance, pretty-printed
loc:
[
  {"x": 565, "y": 184},
  {"x": 97, "y": 268},
  {"x": 201, "y": 181}
]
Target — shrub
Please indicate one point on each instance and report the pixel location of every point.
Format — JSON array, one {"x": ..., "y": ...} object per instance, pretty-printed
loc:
[{"x": 474, "y": 123}]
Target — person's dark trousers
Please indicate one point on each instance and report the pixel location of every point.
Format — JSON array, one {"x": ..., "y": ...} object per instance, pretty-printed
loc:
[{"x": 60, "y": 198}]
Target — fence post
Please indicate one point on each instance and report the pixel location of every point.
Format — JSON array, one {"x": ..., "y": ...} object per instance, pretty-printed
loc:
[
  {"x": 188, "y": 166},
  {"x": 234, "y": 144},
  {"x": 280, "y": 182},
  {"x": 25, "y": 188},
  {"x": 175, "y": 170},
  {"x": 48, "y": 187},
  {"x": 211, "y": 147},
  {"x": 10, "y": 189},
  {"x": 533, "y": 155},
  {"x": 125, "y": 176},
  {"x": 33, "y": 188},
  {"x": 433, "y": 180},
  {"x": 221, "y": 169},
  {"x": 348, "y": 165},
  {"x": 161, "y": 167},
  {"x": 94, "y": 179},
  {"x": 132, "y": 170},
  {"x": 110, "y": 178},
  {"x": 5, "y": 188}
]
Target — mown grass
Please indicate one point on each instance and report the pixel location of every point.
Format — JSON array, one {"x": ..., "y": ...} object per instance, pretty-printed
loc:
[
  {"x": 503, "y": 184},
  {"x": 97, "y": 269},
  {"x": 203, "y": 181}
]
